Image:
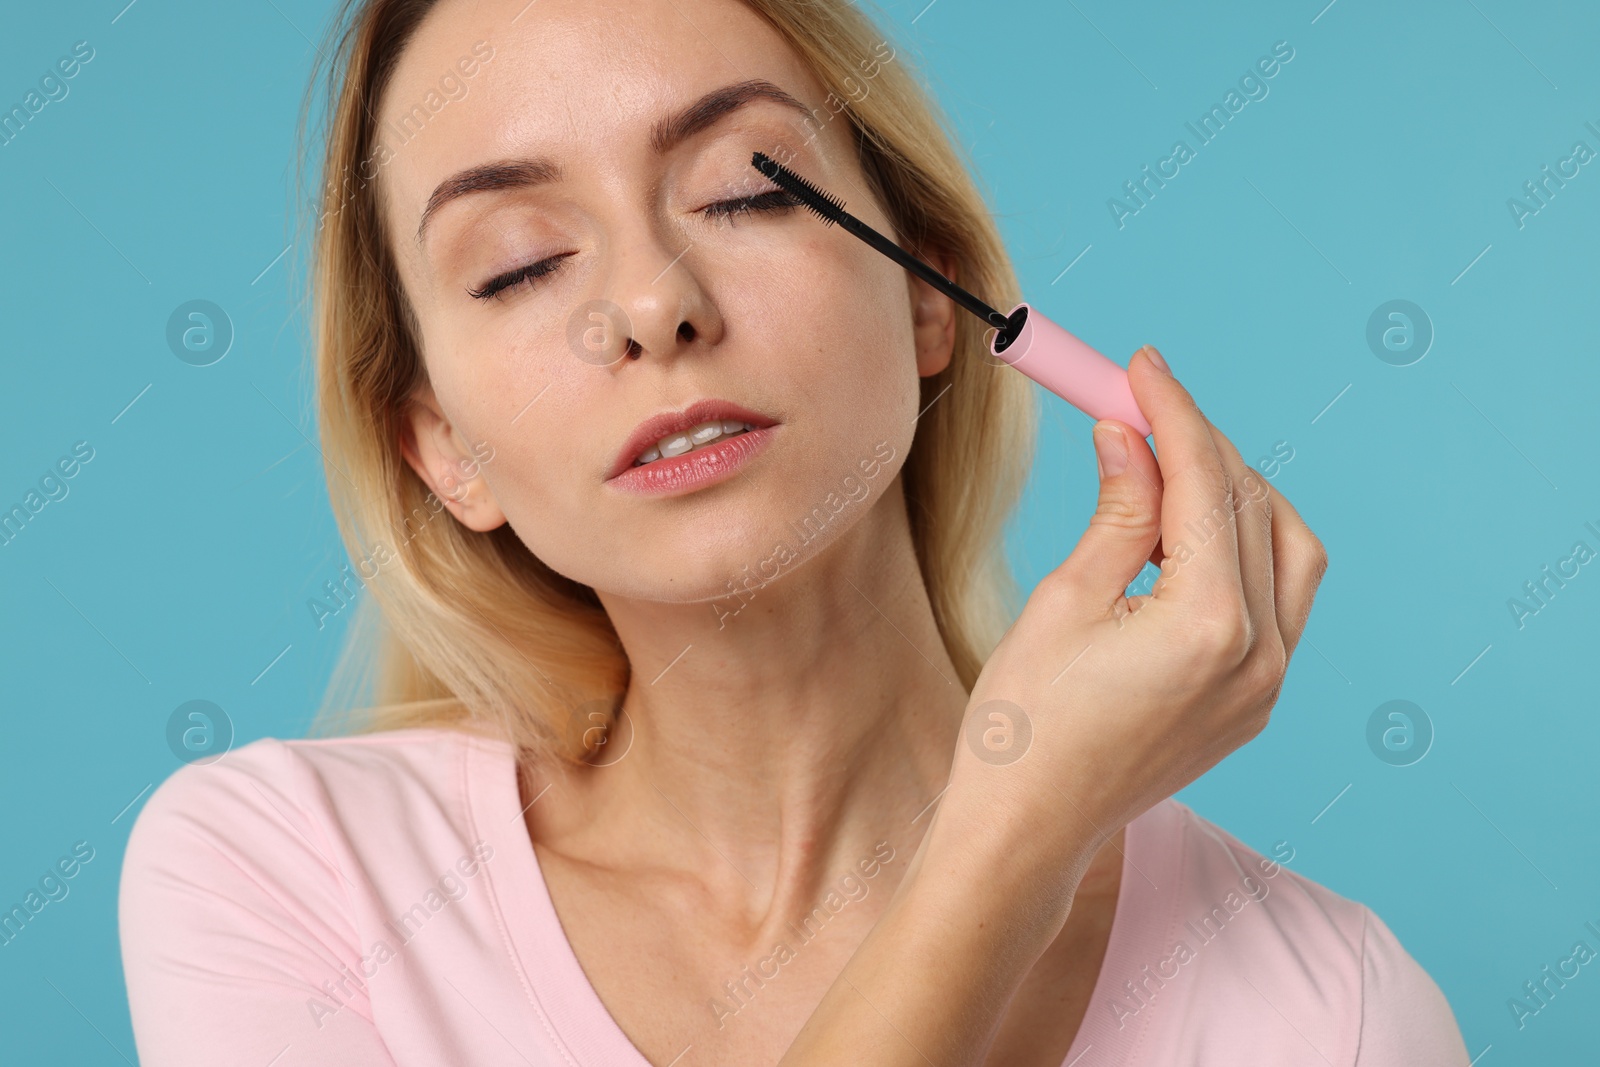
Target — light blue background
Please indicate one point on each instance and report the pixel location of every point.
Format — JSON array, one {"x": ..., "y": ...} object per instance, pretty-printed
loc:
[{"x": 1378, "y": 168}]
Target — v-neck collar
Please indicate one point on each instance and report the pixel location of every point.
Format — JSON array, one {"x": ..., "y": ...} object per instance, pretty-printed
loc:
[{"x": 582, "y": 1028}]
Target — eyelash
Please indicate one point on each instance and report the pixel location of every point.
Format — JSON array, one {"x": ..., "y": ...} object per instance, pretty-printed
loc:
[
  {"x": 531, "y": 272},
  {"x": 772, "y": 200}
]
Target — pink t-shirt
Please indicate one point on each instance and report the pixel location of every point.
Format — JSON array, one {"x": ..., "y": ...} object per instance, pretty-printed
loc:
[{"x": 375, "y": 900}]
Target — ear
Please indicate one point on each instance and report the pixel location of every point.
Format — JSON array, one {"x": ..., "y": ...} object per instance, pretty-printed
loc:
[
  {"x": 447, "y": 464},
  {"x": 933, "y": 317}
]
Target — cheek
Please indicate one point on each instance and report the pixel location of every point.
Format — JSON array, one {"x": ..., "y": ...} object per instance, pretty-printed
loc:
[
  {"x": 544, "y": 437},
  {"x": 507, "y": 392},
  {"x": 873, "y": 357},
  {"x": 541, "y": 480},
  {"x": 849, "y": 314},
  {"x": 525, "y": 409},
  {"x": 856, "y": 395}
]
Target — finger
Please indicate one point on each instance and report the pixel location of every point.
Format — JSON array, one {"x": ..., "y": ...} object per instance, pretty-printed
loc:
[
  {"x": 1125, "y": 523},
  {"x": 1196, "y": 495},
  {"x": 1154, "y": 560},
  {"x": 1153, "y": 474},
  {"x": 1156, "y": 552},
  {"x": 1298, "y": 564},
  {"x": 1253, "y": 528}
]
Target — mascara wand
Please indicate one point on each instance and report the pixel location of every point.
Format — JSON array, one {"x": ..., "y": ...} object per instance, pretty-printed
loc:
[{"x": 1024, "y": 339}]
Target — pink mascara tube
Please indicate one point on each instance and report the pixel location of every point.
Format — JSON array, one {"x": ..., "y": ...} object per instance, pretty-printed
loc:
[{"x": 1025, "y": 338}]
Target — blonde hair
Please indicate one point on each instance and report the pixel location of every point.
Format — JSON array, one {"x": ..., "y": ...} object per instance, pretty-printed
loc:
[{"x": 470, "y": 629}]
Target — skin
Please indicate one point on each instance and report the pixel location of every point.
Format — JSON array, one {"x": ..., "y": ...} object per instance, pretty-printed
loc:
[{"x": 772, "y": 752}]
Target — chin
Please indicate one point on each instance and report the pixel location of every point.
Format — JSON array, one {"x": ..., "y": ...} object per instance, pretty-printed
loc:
[
  {"x": 734, "y": 564},
  {"x": 725, "y": 569}
]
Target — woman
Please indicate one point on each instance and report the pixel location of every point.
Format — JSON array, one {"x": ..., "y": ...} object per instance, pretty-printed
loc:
[{"x": 699, "y": 741}]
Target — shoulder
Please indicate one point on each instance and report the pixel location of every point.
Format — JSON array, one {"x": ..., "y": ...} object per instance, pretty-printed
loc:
[
  {"x": 1405, "y": 1017},
  {"x": 1222, "y": 877},
  {"x": 306, "y": 773},
  {"x": 254, "y": 888},
  {"x": 1271, "y": 949},
  {"x": 1217, "y": 864},
  {"x": 273, "y": 805}
]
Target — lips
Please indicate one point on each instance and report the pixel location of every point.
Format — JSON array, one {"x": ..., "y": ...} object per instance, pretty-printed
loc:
[{"x": 651, "y": 430}]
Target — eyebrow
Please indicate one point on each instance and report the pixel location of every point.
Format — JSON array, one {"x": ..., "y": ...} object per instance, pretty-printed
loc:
[{"x": 665, "y": 135}]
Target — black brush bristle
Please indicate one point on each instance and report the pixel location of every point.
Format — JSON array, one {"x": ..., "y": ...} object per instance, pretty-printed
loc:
[{"x": 828, "y": 208}]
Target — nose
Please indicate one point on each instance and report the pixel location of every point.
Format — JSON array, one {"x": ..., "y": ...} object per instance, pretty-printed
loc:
[{"x": 655, "y": 302}]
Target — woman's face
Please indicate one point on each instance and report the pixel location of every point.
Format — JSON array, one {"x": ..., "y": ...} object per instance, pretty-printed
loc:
[{"x": 598, "y": 143}]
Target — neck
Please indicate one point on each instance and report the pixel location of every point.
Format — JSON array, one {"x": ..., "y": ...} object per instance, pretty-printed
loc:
[{"x": 770, "y": 750}]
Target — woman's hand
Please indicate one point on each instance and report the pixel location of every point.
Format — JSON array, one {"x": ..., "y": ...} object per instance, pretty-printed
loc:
[
  {"x": 1093, "y": 708},
  {"x": 1096, "y": 706}
]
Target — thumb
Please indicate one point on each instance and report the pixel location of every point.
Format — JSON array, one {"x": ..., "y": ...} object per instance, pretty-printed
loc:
[{"x": 1126, "y": 524}]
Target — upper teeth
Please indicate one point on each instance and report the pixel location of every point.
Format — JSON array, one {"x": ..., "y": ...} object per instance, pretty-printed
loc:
[{"x": 695, "y": 437}]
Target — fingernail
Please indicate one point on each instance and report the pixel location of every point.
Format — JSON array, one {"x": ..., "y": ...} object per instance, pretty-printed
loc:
[
  {"x": 1110, "y": 451},
  {"x": 1155, "y": 357}
]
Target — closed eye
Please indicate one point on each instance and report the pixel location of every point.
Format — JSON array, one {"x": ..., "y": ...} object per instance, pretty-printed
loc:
[
  {"x": 772, "y": 200},
  {"x": 530, "y": 274}
]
